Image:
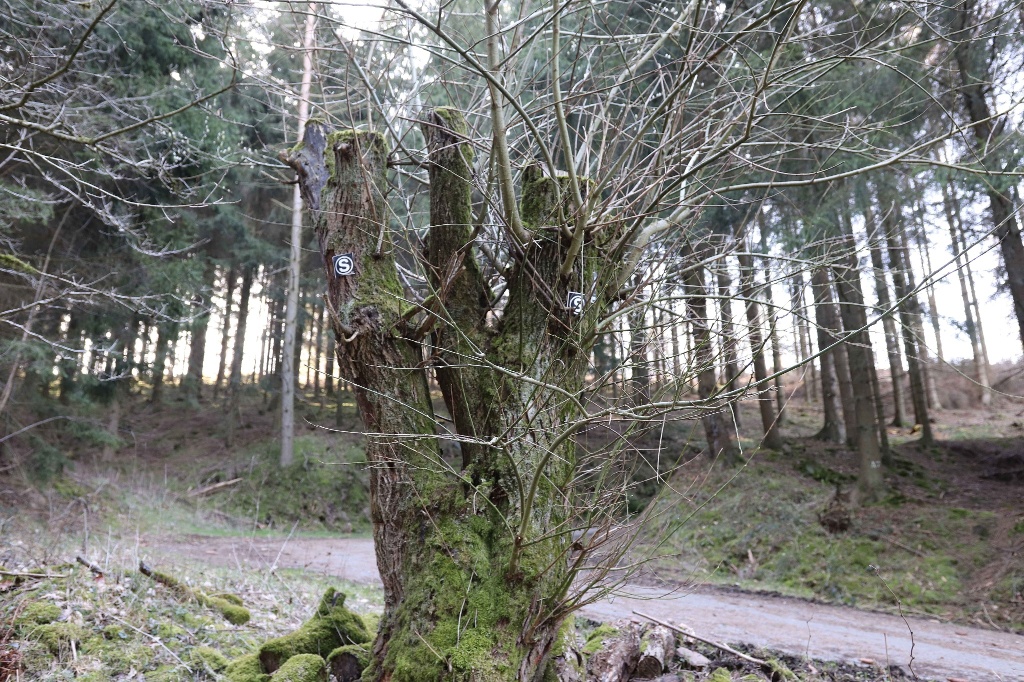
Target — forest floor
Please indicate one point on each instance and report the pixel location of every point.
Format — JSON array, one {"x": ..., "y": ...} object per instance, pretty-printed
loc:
[{"x": 948, "y": 542}]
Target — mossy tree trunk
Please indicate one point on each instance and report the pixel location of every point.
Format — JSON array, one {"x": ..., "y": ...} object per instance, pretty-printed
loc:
[{"x": 475, "y": 559}]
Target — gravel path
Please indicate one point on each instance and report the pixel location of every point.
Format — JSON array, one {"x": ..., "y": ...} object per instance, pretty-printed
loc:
[{"x": 941, "y": 650}]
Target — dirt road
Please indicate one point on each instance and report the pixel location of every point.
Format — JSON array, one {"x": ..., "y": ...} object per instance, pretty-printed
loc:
[{"x": 940, "y": 650}]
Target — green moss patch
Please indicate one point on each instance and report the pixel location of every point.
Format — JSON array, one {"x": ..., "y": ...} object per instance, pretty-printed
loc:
[
  {"x": 231, "y": 608},
  {"x": 208, "y": 659},
  {"x": 37, "y": 613},
  {"x": 127, "y": 624},
  {"x": 302, "y": 668},
  {"x": 330, "y": 627},
  {"x": 597, "y": 638},
  {"x": 245, "y": 669}
]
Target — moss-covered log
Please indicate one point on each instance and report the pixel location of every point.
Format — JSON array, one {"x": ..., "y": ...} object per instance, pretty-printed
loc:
[
  {"x": 229, "y": 605},
  {"x": 348, "y": 662},
  {"x": 330, "y": 627},
  {"x": 302, "y": 668},
  {"x": 245, "y": 669}
]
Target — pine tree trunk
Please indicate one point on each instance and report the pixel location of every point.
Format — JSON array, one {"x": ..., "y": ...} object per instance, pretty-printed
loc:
[
  {"x": 933, "y": 311},
  {"x": 225, "y": 333},
  {"x": 318, "y": 345},
  {"x": 980, "y": 366},
  {"x": 235, "y": 385},
  {"x": 769, "y": 421},
  {"x": 68, "y": 364},
  {"x": 193, "y": 382},
  {"x": 329, "y": 369},
  {"x": 931, "y": 392},
  {"x": 974, "y": 297},
  {"x": 883, "y": 435},
  {"x": 974, "y": 80},
  {"x": 834, "y": 428},
  {"x": 806, "y": 343},
  {"x": 730, "y": 345},
  {"x": 677, "y": 360},
  {"x": 292, "y": 339},
  {"x": 888, "y": 323},
  {"x": 909, "y": 309},
  {"x": 640, "y": 369},
  {"x": 858, "y": 348},
  {"x": 773, "y": 318},
  {"x": 165, "y": 333},
  {"x": 717, "y": 429}
]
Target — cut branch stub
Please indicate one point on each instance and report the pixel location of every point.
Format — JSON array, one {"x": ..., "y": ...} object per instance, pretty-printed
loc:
[{"x": 307, "y": 158}]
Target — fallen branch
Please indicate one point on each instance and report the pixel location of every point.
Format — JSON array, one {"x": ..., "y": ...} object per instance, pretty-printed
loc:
[
  {"x": 31, "y": 576},
  {"x": 211, "y": 488},
  {"x": 723, "y": 647},
  {"x": 97, "y": 571},
  {"x": 229, "y": 605}
]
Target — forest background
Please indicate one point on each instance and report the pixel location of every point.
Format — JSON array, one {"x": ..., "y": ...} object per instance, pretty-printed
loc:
[{"x": 792, "y": 230}]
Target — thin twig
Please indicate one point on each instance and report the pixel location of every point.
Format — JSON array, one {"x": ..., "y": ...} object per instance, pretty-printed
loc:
[{"x": 899, "y": 605}]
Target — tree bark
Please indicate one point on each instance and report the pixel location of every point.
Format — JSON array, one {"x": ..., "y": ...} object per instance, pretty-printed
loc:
[
  {"x": 225, "y": 333},
  {"x": 329, "y": 368},
  {"x": 729, "y": 342},
  {"x": 292, "y": 344},
  {"x": 773, "y": 315},
  {"x": 974, "y": 297},
  {"x": 858, "y": 347},
  {"x": 888, "y": 324},
  {"x": 803, "y": 337},
  {"x": 165, "y": 333},
  {"x": 931, "y": 392},
  {"x": 717, "y": 430},
  {"x": 769, "y": 420},
  {"x": 909, "y": 316},
  {"x": 618, "y": 655},
  {"x": 657, "y": 647},
  {"x": 640, "y": 367},
  {"x": 235, "y": 385},
  {"x": 318, "y": 344},
  {"x": 193, "y": 382},
  {"x": 980, "y": 365},
  {"x": 834, "y": 428}
]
